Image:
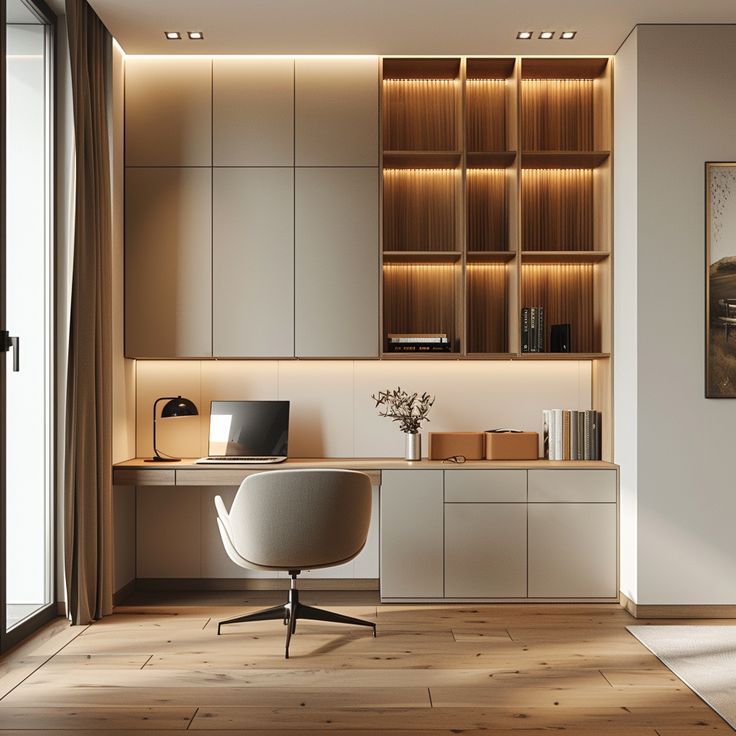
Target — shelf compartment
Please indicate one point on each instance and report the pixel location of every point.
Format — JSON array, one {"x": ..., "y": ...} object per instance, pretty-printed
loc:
[
  {"x": 568, "y": 294},
  {"x": 421, "y": 256},
  {"x": 421, "y": 298},
  {"x": 491, "y": 256},
  {"x": 421, "y": 68},
  {"x": 564, "y": 68},
  {"x": 557, "y": 210},
  {"x": 420, "y": 114},
  {"x": 419, "y": 209},
  {"x": 564, "y": 256},
  {"x": 565, "y": 104},
  {"x": 563, "y": 159},
  {"x": 421, "y": 159},
  {"x": 487, "y": 311},
  {"x": 487, "y": 210},
  {"x": 498, "y": 67},
  {"x": 490, "y": 159},
  {"x": 485, "y": 114}
]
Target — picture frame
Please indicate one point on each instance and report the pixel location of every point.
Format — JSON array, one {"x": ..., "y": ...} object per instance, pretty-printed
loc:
[{"x": 720, "y": 280}]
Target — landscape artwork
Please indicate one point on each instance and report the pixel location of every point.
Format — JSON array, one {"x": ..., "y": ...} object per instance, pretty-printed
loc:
[{"x": 720, "y": 251}]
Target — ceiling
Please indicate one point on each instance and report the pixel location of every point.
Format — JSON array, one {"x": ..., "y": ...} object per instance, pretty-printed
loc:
[{"x": 388, "y": 27}]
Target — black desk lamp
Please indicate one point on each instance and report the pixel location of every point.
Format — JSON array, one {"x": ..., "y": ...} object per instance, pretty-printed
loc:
[{"x": 176, "y": 406}]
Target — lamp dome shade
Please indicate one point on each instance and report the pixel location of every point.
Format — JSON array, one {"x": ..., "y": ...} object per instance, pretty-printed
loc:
[{"x": 179, "y": 407}]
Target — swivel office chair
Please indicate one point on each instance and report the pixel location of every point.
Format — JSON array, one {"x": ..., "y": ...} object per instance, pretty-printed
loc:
[{"x": 296, "y": 520}]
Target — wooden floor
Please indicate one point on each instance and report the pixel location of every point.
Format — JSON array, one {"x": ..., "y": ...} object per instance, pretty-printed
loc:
[{"x": 159, "y": 667}]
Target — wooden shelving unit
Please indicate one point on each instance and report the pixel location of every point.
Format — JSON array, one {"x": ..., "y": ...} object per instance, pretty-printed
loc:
[{"x": 497, "y": 196}]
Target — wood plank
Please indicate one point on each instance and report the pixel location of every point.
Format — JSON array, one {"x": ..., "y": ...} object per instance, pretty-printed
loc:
[
  {"x": 98, "y": 718},
  {"x": 209, "y": 693},
  {"x": 592, "y": 720}
]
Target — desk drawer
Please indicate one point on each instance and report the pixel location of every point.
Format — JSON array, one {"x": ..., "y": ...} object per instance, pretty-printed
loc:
[
  {"x": 143, "y": 477},
  {"x": 485, "y": 486},
  {"x": 572, "y": 486}
]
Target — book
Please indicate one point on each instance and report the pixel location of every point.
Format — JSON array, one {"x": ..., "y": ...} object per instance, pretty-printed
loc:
[
  {"x": 566, "y": 434},
  {"x": 588, "y": 425},
  {"x": 532, "y": 329},
  {"x": 540, "y": 330},
  {"x": 574, "y": 434},
  {"x": 558, "y": 434},
  {"x": 581, "y": 435},
  {"x": 525, "y": 330},
  {"x": 414, "y": 347},
  {"x": 424, "y": 338},
  {"x": 545, "y": 433},
  {"x": 596, "y": 432}
]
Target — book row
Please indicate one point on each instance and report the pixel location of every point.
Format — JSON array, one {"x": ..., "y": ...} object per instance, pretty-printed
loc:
[{"x": 572, "y": 435}]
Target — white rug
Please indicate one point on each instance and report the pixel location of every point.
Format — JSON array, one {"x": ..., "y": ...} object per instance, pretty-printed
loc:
[{"x": 703, "y": 657}]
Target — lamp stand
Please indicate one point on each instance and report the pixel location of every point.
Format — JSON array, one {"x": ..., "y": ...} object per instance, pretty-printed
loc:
[{"x": 156, "y": 456}]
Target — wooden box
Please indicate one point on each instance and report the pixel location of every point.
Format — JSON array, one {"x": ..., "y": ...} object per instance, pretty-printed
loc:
[
  {"x": 470, "y": 445},
  {"x": 512, "y": 445}
]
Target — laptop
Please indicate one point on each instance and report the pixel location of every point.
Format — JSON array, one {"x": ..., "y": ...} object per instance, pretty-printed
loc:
[{"x": 247, "y": 432}]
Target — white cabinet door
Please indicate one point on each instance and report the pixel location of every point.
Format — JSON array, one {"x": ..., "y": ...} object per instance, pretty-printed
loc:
[
  {"x": 411, "y": 534},
  {"x": 485, "y": 550},
  {"x": 168, "y": 111},
  {"x": 168, "y": 262},
  {"x": 572, "y": 550},
  {"x": 253, "y": 111},
  {"x": 336, "y": 112},
  {"x": 253, "y": 263},
  {"x": 336, "y": 264}
]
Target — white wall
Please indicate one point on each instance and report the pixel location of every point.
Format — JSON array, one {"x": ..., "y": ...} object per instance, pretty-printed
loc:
[
  {"x": 676, "y": 447},
  {"x": 625, "y": 302},
  {"x": 332, "y": 414}
]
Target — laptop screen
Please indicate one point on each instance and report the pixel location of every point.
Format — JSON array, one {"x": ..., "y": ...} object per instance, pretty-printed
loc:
[{"x": 249, "y": 428}]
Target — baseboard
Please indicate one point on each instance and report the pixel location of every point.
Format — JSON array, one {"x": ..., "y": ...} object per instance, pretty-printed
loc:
[
  {"x": 120, "y": 596},
  {"x": 678, "y": 611},
  {"x": 174, "y": 584}
]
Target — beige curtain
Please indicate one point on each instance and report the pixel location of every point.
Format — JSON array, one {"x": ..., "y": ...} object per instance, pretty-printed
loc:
[{"x": 88, "y": 457}]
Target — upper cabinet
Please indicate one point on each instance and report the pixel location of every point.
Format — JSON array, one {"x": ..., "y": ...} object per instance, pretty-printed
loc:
[
  {"x": 253, "y": 111},
  {"x": 168, "y": 262},
  {"x": 336, "y": 111},
  {"x": 168, "y": 111},
  {"x": 336, "y": 262}
]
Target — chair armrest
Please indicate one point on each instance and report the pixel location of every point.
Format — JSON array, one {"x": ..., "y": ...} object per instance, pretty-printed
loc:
[
  {"x": 224, "y": 517},
  {"x": 227, "y": 542}
]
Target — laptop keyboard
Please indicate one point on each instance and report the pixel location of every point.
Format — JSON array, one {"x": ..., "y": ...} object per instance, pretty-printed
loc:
[{"x": 240, "y": 459}]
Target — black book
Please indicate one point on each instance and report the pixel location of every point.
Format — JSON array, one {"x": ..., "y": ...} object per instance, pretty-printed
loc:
[
  {"x": 422, "y": 347},
  {"x": 540, "y": 330},
  {"x": 533, "y": 330},
  {"x": 525, "y": 330}
]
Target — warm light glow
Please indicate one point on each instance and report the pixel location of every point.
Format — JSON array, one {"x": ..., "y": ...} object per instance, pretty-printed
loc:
[
  {"x": 524, "y": 35},
  {"x": 568, "y": 35},
  {"x": 195, "y": 35},
  {"x": 547, "y": 35},
  {"x": 172, "y": 35}
]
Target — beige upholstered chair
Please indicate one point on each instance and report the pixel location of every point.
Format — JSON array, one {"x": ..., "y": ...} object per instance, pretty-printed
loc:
[{"x": 296, "y": 520}]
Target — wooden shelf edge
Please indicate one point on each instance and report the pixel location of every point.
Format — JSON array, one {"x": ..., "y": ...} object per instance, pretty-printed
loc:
[
  {"x": 422, "y": 256},
  {"x": 492, "y": 256},
  {"x": 562, "y": 356},
  {"x": 563, "y": 159},
  {"x": 490, "y": 159},
  {"x": 421, "y": 159},
  {"x": 564, "y": 256}
]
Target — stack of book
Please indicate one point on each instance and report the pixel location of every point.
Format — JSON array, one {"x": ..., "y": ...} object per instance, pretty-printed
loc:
[
  {"x": 418, "y": 343},
  {"x": 532, "y": 330},
  {"x": 572, "y": 435}
]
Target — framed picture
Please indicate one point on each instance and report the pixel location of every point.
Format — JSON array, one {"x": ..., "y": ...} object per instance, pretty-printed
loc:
[{"x": 720, "y": 280}]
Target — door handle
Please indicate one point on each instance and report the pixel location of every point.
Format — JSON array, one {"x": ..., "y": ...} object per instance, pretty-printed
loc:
[{"x": 8, "y": 342}]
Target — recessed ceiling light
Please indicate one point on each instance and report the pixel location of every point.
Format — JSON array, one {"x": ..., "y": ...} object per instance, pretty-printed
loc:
[
  {"x": 547, "y": 35},
  {"x": 524, "y": 35},
  {"x": 568, "y": 35},
  {"x": 195, "y": 35},
  {"x": 173, "y": 35}
]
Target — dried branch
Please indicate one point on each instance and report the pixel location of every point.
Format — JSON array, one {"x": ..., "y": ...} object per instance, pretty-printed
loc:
[{"x": 409, "y": 410}]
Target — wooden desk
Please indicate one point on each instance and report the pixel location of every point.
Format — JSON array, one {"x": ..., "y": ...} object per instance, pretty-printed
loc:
[
  {"x": 186, "y": 472},
  {"x": 474, "y": 531}
]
